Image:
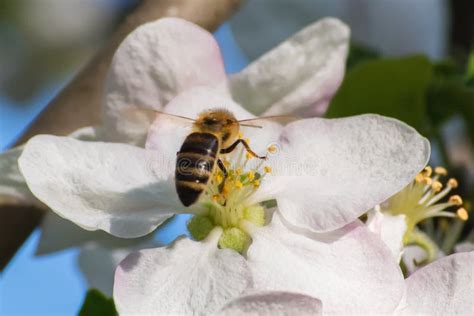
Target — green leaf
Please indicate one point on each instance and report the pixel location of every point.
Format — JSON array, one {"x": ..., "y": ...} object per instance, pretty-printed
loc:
[
  {"x": 97, "y": 304},
  {"x": 359, "y": 53},
  {"x": 390, "y": 87},
  {"x": 470, "y": 67}
]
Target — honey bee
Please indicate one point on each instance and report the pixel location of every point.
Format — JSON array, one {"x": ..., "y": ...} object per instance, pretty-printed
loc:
[{"x": 215, "y": 133}]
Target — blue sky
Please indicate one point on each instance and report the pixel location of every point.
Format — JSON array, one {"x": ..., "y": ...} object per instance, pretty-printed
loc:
[{"x": 53, "y": 285}]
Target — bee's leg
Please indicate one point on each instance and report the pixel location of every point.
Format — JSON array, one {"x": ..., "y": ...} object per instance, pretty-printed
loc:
[
  {"x": 221, "y": 166},
  {"x": 247, "y": 147}
]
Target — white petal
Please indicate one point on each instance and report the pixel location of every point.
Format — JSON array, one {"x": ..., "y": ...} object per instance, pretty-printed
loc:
[
  {"x": 186, "y": 278},
  {"x": 465, "y": 246},
  {"x": 154, "y": 63},
  {"x": 330, "y": 171},
  {"x": 302, "y": 72},
  {"x": 123, "y": 190},
  {"x": 13, "y": 187},
  {"x": 12, "y": 184},
  {"x": 273, "y": 304},
  {"x": 444, "y": 287},
  {"x": 390, "y": 229},
  {"x": 349, "y": 270},
  {"x": 58, "y": 234},
  {"x": 98, "y": 262}
]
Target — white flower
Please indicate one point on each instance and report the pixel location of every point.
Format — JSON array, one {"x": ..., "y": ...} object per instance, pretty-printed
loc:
[
  {"x": 444, "y": 287},
  {"x": 325, "y": 174}
]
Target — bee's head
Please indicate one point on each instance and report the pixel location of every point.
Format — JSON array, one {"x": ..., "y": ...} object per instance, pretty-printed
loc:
[{"x": 221, "y": 123}]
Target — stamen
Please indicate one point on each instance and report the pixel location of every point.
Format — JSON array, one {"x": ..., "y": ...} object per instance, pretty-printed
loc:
[
  {"x": 453, "y": 183},
  {"x": 427, "y": 171},
  {"x": 267, "y": 169},
  {"x": 248, "y": 156},
  {"x": 436, "y": 186},
  {"x": 238, "y": 184},
  {"x": 251, "y": 175},
  {"x": 462, "y": 213},
  {"x": 456, "y": 200},
  {"x": 256, "y": 183},
  {"x": 441, "y": 171}
]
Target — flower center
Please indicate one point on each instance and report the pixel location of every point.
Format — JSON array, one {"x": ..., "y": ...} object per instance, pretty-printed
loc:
[
  {"x": 227, "y": 204},
  {"x": 424, "y": 198}
]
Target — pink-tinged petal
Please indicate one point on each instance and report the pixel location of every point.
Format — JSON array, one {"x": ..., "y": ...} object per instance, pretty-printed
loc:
[
  {"x": 186, "y": 278},
  {"x": 350, "y": 270},
  {"x": 444, "y": 287},
  {"x": 154, "y": 63},
  {"x": 330, "y": 171},
  {"x": 299, "y": 75},
  {"x": 270, "y": 303},
  {"x": 390, "y": 229},
  {"x": 121, "y": 189},
  {"x": 98, "y": 260}
]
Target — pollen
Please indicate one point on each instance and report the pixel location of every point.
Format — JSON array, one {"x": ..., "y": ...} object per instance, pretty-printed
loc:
[
  {"x": 441, "y": 171},
  {"x": 219, "y": 177},
  {"x": 256, "y": 183},
  {"x": 251, "y": 175},
  {"x": 267, "y": 169},
  {"x": 462, "y": 214},
  {"x": 456, "y": 200},
  {"x": 215, "y": 197},
  {"x": 238, "y": 171},
  {"x": 238, "y": 184},
  {"x": 248, "y": 156},
  {"x": 272, "y": 149}
]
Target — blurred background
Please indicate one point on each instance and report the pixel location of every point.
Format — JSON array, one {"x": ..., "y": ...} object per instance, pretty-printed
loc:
[{"x": 43, "y": 43}]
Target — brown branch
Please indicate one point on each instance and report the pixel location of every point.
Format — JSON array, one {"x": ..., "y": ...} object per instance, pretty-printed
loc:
[{"x": 79, "y": 104}]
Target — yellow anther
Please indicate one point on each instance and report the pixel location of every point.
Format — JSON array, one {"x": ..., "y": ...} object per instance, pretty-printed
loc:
[
  {"x": 272, "y": 149},
  {"x": 453, "y": 183},
  {"x": 427, "y": 180},
  {"x": 436, "y": 186},
  {"x": 247, "y": 140},
  {"x": 256, "y": 183},
  {"x": 462, "y": 213},
  {"x": 456, "y": 200},
  {"x": 215, "y": 197},
  {"x": 226, "y": 163},
  {"x": 238, "y": 184},
  {"x": 427, "y": 171},
  {"x": 238, "y": 171},
  {"x": 249, "y": 156},
  {"x": 241, "y": 135},
  {"x": 441, "y": 171},
  {"x": 251, "y": 175},
  {"x": 267, "y": 169},
  {"x": 219, "y": 178},
  {"x": 419, "y": 178}
]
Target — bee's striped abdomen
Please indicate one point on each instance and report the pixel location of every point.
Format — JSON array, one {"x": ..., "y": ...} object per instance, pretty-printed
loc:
[{"x": 194, "y": 165}]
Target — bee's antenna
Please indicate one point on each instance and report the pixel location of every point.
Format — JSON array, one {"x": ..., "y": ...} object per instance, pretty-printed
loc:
[{"x": 248, "y": 125}]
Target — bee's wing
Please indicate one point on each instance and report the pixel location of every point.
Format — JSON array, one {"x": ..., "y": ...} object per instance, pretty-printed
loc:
[
  {"x": 280, "y": 119},
  {"x": 150, "y": 114}
]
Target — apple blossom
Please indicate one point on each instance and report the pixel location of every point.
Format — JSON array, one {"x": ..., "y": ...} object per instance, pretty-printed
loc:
[{"x": 322, "y": 174}]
